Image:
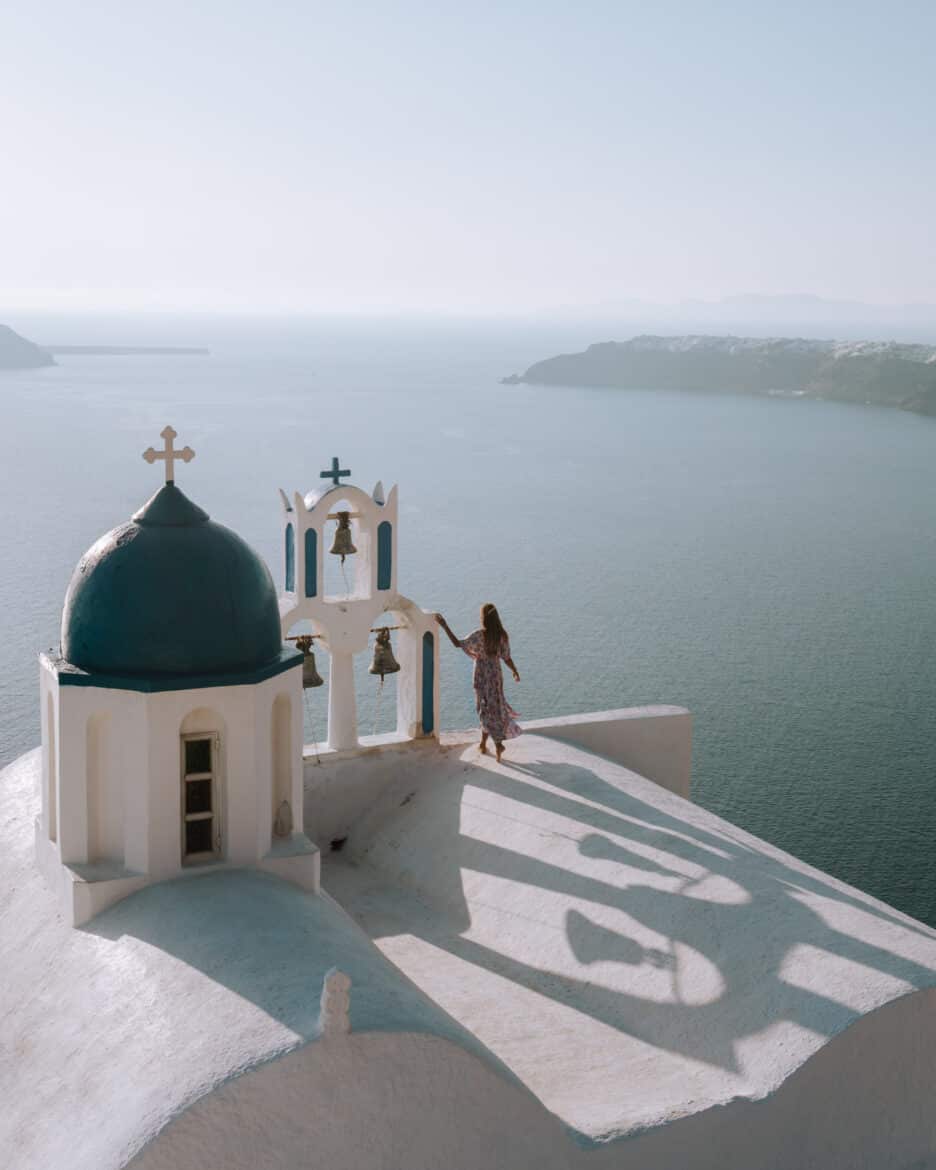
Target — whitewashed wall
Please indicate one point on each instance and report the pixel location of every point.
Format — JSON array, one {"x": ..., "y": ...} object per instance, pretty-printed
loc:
[
  {"x": 345, "y": 623},
  {"x": 118, "y": 798},
  {"x": 372, "y": 1102}
]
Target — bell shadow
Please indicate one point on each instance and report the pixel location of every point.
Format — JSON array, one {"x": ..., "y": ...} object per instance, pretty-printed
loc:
[
  {"x": 592, "y": 943},
  {"x": 744, "y": 940},
  {"x": 656, "y": 827},
  {"x": 600, "y": 848},
  {"x": 705, "y": 1031}
]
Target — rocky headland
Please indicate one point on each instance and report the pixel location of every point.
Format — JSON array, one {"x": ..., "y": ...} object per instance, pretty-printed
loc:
[
  {"x": 881, "y": 373},
  {"x": 16, "y": 353}
]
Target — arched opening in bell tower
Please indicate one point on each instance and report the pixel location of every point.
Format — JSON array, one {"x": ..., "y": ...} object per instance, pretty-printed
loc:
[
  {"x": 376, "y": 699},
  {"x": 346, "y": 575},
  {"x": 314, "y": 710}
]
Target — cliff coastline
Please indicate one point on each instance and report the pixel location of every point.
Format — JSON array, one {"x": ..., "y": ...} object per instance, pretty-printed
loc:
[{"x": 867, "y": 372}]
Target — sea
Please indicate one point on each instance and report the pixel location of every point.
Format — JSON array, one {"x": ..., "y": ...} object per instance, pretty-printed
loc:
[{"x": 767, "y": 563}]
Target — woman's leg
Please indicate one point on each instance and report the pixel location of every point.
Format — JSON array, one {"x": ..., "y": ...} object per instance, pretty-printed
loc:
[
  {"x": 483, "y": 745},
  {"x": 499, "y": 745}
]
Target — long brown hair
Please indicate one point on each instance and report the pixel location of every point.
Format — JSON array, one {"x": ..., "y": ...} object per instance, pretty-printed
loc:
[{"x": 494, "y": 633}]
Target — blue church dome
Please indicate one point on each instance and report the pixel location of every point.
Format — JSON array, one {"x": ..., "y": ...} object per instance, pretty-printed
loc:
[{"x": 171, "y": 593}]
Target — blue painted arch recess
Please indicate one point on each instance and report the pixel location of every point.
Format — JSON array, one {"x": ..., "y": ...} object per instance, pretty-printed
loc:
[
  {"x": 311, "y": 562},
  {"x": 428, "y": 683},
  {"x": 290, "y": 559},
  {"x": 384, "y": 554}
]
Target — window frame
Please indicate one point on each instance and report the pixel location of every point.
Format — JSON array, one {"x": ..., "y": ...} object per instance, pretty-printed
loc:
[{"x": 214, "y": 813}]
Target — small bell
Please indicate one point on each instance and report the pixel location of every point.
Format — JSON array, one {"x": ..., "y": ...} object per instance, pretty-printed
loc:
[
  {"x": 384, "y": 662},
  {"x": 342, "y": 546},
  {"x": 310, "y": 676}
]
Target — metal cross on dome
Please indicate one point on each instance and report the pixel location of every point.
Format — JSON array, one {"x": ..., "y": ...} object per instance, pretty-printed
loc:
[
  {"x": 169, "y": 453},
  {"x": 335, "y": 473}
]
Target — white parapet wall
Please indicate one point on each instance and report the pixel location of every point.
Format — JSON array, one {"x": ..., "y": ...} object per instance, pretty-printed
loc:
[
  {"x": 112, "y": 802},
  {"x": 655, "y": 742},
  {"x": 339, "y": 791}
]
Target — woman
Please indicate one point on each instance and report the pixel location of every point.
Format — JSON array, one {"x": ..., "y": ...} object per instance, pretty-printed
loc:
[{"x": 487, "y": 647}]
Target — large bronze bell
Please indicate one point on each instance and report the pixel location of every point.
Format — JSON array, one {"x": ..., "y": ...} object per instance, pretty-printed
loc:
[
  {"x": 342, "y": 545},
  {"x": 310, "y": 676},
  {"x": 384, "y": 662}
]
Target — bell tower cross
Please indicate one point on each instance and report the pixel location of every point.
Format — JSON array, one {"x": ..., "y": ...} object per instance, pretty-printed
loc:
[{"x": 334, "y": 474}]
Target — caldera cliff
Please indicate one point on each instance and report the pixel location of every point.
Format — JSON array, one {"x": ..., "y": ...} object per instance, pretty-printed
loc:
[{"x": 872, "y": 372}]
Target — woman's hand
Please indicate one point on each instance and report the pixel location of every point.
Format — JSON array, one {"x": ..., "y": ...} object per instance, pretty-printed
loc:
[
  {"x": 516, "y": 675},
  {"x": 445, "y": 626}
]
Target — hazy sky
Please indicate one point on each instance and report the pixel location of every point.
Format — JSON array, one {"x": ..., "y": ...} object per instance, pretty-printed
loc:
[{"x": 473, "y": 156}]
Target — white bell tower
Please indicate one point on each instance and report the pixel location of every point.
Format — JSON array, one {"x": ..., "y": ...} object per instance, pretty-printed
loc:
[{"x": 344, "y": 621}]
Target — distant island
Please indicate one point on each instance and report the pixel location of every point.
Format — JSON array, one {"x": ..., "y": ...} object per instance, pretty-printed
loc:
[
  {"x": 883, "y": 373},
  {"x": 123, "y": 350},
  {"x": 16, "y": 353}
]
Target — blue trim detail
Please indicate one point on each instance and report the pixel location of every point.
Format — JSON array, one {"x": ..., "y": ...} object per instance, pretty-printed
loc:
[
  {"x": 311, "y": 562},
  {"x": 73, "y": 676},
  {"x": 428, "y": 683},
  {"x": 335, "y": 473},
  {"x": 290, "y": 559},
  {"x": 384, "y": 554}
]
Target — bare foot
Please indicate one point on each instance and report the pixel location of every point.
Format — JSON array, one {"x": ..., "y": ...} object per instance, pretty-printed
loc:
[
  {"x": 482, "y": 748},
  {"x": 500, "y": 751}
]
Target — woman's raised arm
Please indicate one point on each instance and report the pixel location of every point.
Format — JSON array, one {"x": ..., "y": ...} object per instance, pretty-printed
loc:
[{"x": 445, "y": 626}]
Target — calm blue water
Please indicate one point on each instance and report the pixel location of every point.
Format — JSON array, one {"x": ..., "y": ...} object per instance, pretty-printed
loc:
[{"x": 767, "y": 563}]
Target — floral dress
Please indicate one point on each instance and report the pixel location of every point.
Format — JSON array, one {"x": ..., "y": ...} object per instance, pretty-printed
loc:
[{"x": 497, "y": 717}]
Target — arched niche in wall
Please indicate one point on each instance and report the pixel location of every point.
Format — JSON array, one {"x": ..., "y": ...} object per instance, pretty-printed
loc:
[
  {"x": 52, "y": 772},
  {"x": 105, "y": 788},
  {"x": 281, "y": 753},
  {"x": 290, "y": 552}
]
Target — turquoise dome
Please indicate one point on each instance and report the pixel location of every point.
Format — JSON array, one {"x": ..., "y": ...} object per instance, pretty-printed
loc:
[{"x": 171, "y": 593}]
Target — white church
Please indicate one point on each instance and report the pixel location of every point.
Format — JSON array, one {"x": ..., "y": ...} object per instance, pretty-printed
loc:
[{"x": 222, "y": 948}]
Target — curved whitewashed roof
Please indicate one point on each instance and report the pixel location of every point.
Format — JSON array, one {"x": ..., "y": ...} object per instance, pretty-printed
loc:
[
  {"x": 118, "y": 1027},
  {"x": 646, "y": 970},
  {"x": 630, "y": 956}
]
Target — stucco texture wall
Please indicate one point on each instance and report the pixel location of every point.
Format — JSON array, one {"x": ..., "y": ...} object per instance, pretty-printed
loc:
[
  {"x": 682, "y": 995},
  {"x": 365, "y": 1102}
]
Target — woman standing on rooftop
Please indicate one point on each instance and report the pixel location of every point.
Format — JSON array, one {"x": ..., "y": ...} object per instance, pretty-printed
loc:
[{"x": 487, "y": 646}]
